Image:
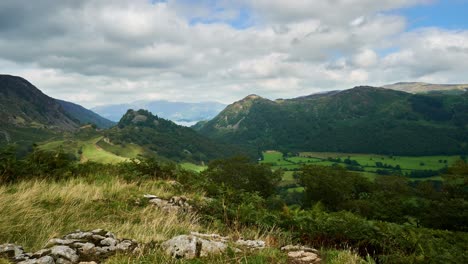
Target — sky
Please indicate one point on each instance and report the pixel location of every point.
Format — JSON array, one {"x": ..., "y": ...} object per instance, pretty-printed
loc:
[{"x": 98, "y": 52}]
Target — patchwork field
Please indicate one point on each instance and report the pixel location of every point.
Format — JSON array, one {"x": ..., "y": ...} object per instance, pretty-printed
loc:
[{"x": 369, "y": 165}]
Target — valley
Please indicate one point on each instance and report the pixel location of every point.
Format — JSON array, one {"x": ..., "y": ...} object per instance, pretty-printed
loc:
[{"x": 261, "y": 179}]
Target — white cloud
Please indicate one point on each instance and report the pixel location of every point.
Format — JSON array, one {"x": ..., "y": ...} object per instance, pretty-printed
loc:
[{"x": 96, "y": 52}]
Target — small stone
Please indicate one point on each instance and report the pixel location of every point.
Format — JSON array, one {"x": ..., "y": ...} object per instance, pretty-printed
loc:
[
  {"x": 150, "y": 196},
  {"x": 63, "y": 261},
  {"x": 79, "y": 235},
  {"x": 100, "y": 232},
  {"x": 125, "y": 245},
  {"x": 253, "y": 244},
  {"x": 64, "y": 252},
  {"x": 41, "y": 253},
  {"x": 309, "y": 257},
  {"x": 46, "y": 260},
  {"x": 98, "y": 238},
  {"x": 295, "y": 254},
  {"x": 10, "y": 251},
  {"x": 61, "y": 242},
  {"x": 298, "y": 248},
  {"x": 42, "y": 260},
  {"x": 111, "y": 235},
  {"x": 109, "y": 242}
]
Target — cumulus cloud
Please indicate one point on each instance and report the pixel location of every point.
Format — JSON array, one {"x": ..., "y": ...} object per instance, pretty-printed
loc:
[{"x": 100, "y": 51}]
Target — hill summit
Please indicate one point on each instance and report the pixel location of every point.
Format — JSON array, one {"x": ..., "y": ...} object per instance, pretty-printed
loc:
[
  {"x": 363, "y": 119},
  {"x": 166, "y": 138}
]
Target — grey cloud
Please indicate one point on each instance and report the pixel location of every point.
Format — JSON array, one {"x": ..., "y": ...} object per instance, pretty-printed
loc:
[{"x": 94, "y": 51}]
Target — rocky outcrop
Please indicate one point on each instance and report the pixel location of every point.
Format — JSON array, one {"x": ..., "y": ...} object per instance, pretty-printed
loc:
[
  {"x": 78, "y": 247},
  {"x": 174, "y": 204},
  {"x": 190, "y": 246},
  {"x": 301, "y": 254},
  {"x": 200, "y": 245}
]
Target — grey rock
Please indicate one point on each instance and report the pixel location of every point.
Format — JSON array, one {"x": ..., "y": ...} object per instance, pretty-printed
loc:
[
  {"x": 79, "y": 235},
  {"x": 98, "y": 238},
  {"x": 61, "y": 242},
  {"x": 214, "y": 237},
  {"x": 10, "y": 251},
  {"x": 111, "y": 235},
  {"x": 150, "y": 196},
  {"x": 41, "y": 253},
  {"x": 100, "y": 232},
  {"x": 125, "y": 245},
  {"x": 303, "y": 257},
  {"x": 64, "y": 252},
  {"x": 63, "y": 261},
  {"x": 252, "y": 244},
  {"x": 109, "y": 242},
  {"x": 189, "y": 247},
  {"x": 42, "y": 260},
  {"x": 299, "y": 248}
]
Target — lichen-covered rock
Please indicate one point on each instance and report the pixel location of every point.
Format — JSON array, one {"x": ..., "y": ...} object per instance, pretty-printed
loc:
[
  {"x": 11, "y": 251},
  {"x": 174, "y": 204},
  {"x": 93, "y": 246},
  {"x": 42, "y": 260},
  {"x": 213, "y": 237},
  {"x": 299, "y": 248},
  {"x": 189, "y": 247},
  {"x": 64, "y": 252},
  {"x": 251, "y": 244},
  {"x": 303, "y": 257}
]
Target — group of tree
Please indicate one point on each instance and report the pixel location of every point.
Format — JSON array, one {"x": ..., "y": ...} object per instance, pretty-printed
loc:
[{"x": 390, "y": 219}]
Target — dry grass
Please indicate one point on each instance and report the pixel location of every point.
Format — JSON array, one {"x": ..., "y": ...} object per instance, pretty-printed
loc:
[
  {"x": 344, "y": 257},
  {"x": 33, "y": 212}
]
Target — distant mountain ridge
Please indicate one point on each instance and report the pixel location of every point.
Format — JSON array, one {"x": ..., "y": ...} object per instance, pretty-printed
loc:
[
  {"x": 181, "y": 112},
  {"x": 27, "y": 114},
  {"x": 361, "y": 120},
  {"x": 421, "y": 87},
  {"x": 85, "y": 116}
]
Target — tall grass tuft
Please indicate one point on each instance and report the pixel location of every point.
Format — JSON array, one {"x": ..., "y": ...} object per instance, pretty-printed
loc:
[{"x": 35, "y": 211}]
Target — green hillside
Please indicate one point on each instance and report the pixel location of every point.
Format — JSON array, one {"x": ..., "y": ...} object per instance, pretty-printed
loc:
[
  {"x": 359, "y": 120},
  {"x": 29, "y": 116},
  {"x": 85, "y": 116},
  {"x": 167, "y": 139}
]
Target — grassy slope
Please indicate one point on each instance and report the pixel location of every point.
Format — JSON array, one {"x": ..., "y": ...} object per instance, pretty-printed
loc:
[
  {"x": 91, "y": 151},
  {"x": 35, "y": 211}
]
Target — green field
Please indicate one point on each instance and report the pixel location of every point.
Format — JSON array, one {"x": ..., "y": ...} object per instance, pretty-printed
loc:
[
  {"x": 406, "y": 163},
  {"x": 366, "y": 162},
  {"x": 192, "y": 167},
  {"x": 85, "y": 150}
]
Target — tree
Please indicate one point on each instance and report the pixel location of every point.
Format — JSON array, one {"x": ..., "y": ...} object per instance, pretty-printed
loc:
[
  {"x": 242, "y": 175},
  {"x": 331, "y": 185}
]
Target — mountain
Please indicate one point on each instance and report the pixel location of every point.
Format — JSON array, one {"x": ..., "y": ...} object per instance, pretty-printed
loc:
[
  {"x": 420, "y": 87},
  {"x": 27, "y": 115},
  {"x": 85, "y": 116},
  {"x": 180, "y": 112},
  {"x": 359, "y": 120},
  {"x": 166, "y": 138}
]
